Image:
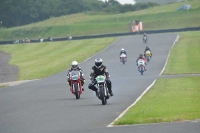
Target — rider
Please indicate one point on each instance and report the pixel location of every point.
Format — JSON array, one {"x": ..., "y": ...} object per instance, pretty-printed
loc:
[
  {"x": 144, "y": 35},
  {"x": 122, "y": 52},
  {"x": 75, "y": 67},
  {"x": 99, "y": 69},
  {"x": 141, "y": 57},
  {"x": 146, "y": 49}
]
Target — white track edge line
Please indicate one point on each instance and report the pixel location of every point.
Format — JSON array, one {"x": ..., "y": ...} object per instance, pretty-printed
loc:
[
  {"x": 176, "y": 40},
  {"x": 111, "y": 124}
]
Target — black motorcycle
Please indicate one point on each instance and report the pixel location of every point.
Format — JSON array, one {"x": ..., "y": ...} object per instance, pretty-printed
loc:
[{"x": 102, "y": 89}]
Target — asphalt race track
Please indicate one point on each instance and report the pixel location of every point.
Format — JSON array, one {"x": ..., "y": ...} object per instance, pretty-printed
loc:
[{"x": 47, "y": 105}]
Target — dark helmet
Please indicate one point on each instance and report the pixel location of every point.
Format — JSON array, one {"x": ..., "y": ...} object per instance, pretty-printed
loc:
[
  {"x": 74, "y": 65},
  {"x": 141, "y": 55},
  {"x": 147, "y": 47},
  {"x": 98, "y": 62}
]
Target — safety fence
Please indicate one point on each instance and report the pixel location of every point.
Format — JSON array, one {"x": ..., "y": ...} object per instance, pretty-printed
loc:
[{"x": 112, "y": 35}]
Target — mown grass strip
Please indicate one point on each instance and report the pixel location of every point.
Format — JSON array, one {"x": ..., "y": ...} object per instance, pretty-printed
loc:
[
  {"x": 44, "y": 59},
  {"x": 184, "y": 57},
  {"x": 169, "y": 100}
]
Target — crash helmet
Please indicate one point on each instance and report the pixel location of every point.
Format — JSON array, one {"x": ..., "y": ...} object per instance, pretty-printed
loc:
[
  {"x": 147, "y": 47},
  {"x": 145, "y": 33},
  {"x": 74, "y": 65},
  {"x": 122, "y": 49},
  {"x": 98, "y": 62},
  {"x": 141, "y": 56}
]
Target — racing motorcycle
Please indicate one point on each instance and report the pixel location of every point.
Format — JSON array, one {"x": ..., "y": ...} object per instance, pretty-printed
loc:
[
  {"x": 145, "y": 39},
  {"x": 148, "y": 55},
  {"x": 75, "y": 80},
  {"x": 102, "y": 89},
  {"x": 123, "y": 58},
  {"x": 141, "y": 65}
]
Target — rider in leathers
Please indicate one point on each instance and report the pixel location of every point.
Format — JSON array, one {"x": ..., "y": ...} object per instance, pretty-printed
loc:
[
  {"x": 147, "y": 48},
  {"x": 144, "y": 35},
  {"x": 99, "y": 69},
  {"x": 141, "y": 57},
  {"x": 75, "y": 67},
  {"x": 122, "y": 52}
]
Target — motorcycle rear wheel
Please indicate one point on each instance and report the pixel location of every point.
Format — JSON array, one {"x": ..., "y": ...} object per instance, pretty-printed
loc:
[
  {"x": 141, "y": 70},
  {"x": 123, "y": 61},
  {"x": 148, "y": 59}
]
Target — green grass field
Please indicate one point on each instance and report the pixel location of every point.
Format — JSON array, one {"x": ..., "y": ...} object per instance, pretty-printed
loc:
[
  {"x": 184, "y": 57},
  {"x": 159, "y": 17},
  {"x": 44, "y": 59},
  {"x": 169, "y": 100}
]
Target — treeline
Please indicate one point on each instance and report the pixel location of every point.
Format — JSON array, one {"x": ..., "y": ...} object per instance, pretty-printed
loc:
[{"x": 21, "y": 12}]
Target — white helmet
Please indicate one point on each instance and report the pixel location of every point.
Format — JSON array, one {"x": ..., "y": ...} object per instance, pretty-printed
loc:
[
  {"x": 122, "y": 49},
  {"x": 74, "y": 64}
]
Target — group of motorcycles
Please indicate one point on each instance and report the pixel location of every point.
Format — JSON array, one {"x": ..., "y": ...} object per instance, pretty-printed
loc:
[
  {"x": 147, "y": 55},
  {"x": 142, "y": 63},
  {"x": 100, "y": 81}
]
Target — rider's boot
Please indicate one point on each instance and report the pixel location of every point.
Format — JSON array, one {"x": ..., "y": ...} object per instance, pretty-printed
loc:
[
  {"x": 111, "y": 93},
  {"x": 97, "y": 93},
  {"x": 82, "y": 83},
  {"x": 145, "y": 68},
  {"x": 70, "y": 86}
]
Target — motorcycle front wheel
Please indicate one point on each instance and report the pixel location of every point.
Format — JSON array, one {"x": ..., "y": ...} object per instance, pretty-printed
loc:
[
  {"x": 102, "y": 95},
  {"x": 76, "y": 91}
]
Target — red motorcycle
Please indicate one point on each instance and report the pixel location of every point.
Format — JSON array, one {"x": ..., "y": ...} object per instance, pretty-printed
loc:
[{"x": 75, "y": 80}]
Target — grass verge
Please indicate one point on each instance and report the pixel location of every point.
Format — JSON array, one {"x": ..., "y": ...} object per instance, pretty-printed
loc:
[
  {"x": 184, "y": 57},
  {"x": 2, "y": 86},
  {"x": 169, "y": 100},
  {"x": 44, "y": 59}
]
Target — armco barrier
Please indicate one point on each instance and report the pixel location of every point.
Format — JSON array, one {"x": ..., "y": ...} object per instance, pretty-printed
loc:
[{"x": 113, "y": 35}]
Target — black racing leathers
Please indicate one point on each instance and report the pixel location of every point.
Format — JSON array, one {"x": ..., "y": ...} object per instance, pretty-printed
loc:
[{"x": 99, "y": 71}]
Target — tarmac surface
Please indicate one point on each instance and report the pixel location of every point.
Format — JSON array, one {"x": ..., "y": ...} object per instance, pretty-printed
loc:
[{"x": 47, "y": 105}]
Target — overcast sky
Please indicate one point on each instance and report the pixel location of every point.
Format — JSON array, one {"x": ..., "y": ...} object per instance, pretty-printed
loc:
[{"x": 125, "y": 1}]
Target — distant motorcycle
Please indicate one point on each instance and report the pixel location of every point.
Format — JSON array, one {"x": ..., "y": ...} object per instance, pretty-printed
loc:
[
  {"x": 141, "y": 65},
  {"x": 102, "y": 89},
  {"x": 75, "y": 79},
  {"x": 148, "y": 55},
  {"x": 145, "y": 39},
  {"x": 123, "y": 58}
]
